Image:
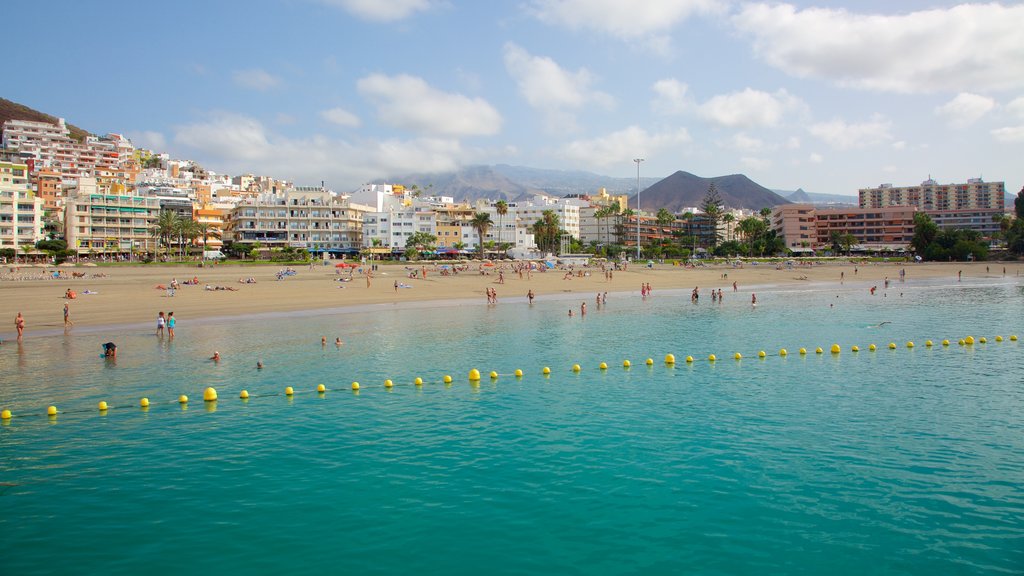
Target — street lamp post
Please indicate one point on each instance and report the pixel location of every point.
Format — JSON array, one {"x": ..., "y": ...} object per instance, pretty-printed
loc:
[{"x": 638, "y": 161}]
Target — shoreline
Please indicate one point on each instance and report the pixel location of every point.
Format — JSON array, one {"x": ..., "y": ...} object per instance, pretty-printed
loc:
[{"x": 127, "y": 300}]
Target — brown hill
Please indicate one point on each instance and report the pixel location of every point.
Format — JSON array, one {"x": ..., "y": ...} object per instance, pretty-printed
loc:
[
  {"x": 14, "y": 111},
  {"x": 684, "y": 190}
]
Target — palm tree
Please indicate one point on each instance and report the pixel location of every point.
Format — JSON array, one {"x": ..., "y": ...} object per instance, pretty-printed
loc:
[
  {"x": 728, "y": 218},
  {"x": 501, "y": 207},
  {"x": 664, "y": 218},
  {"x": 186, "y": 231},
  {"x": 205, "y": 230},
  {"x": 165, "y": 227},
  {"x": 481, "y": 222}
]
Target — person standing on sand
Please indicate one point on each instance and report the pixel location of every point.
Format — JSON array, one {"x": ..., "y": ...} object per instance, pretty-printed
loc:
[
  {"x": 170, "y": 325},
  {"x": 369, "y": 276},
  {"x": 160, "y": 323},
  {"x": 19, "y": 323}
]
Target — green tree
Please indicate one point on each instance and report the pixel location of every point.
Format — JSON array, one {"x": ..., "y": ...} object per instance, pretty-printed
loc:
[
  {"x": 419, "y": 242},
  {"x": 206, "y": 230},
  {"x": 664, "y": 218},
  {"x": 711, "y": 206},
  {"x": 925, "y": 232},
  {"x": 501, "y": 208},
  {"x": 546, "y": 231},
  {"x": 165, "y": 227},
  {"x": 728, "y": 218},
  {"x": 481, "y": 222},
  {"x": 1018, "y": 204}
]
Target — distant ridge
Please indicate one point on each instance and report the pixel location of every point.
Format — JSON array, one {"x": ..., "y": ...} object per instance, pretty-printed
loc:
[
  {"x": 14, "y": 111},
  {"x": 684, "y": 190},
  {"x": 800, "y": 196}
]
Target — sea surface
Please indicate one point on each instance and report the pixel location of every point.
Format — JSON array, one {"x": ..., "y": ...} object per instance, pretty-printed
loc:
[{"x": 894, "y": 461}]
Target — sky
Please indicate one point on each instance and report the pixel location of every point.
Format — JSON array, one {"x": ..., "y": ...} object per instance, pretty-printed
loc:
[{"x": 825, "y": 95}]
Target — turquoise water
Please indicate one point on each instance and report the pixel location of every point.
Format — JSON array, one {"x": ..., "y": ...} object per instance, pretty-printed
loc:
[{"x": 905, "y": 461}]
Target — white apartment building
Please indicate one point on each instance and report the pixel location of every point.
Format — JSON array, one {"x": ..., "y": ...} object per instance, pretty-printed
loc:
[
  {"x": 311, "y": 218},
  {"x": 98, "y": 222},
  {"x": 392, "y": 228},
  {"x": 974, "y": 194},
  {"x": 567, "y": 210},
  {"x": 21, "y": 212},
  {"x": 51, "y": 145}
]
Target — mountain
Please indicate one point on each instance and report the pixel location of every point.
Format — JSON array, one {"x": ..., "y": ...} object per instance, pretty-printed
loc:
[
  {"x": 565, "y": 182},
  {"x": 14, "y": 111},
  {"x": 684, "y": 190},
  {"x": 802, "y": 197}
]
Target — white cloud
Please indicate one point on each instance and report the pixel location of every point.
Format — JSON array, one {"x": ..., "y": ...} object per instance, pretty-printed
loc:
[
  {"x": 626, "y": 20},
  {"x": 750, "y": 108},
  {"x": 341, "y": 117},
  {"x": 619, "y": 147},
  {"x": 816, "y": 158},
  {"x": 409, "y": 103},
  {"x": 256, "y": 79},
  {"x": 380, "y": 10},
  {"x": 1016, "y": 108},
  {"x": 755, "y": 163},
  {"x": 900, "y": 145},
  {"x": 970, "y": 46},
  {"x": 149, "y": 139},
  {"x": 1009, "y": 134},
  {"x": 843, "y": 136},
  {"x": 549, "y": 88},
  {"x": 239, "y": 144},
  {"x": 671, "y": 97},
  {"x": 745, "y": 143},
  {"x": 965, "y": 109},
  {"x": 793, "y": 143}
]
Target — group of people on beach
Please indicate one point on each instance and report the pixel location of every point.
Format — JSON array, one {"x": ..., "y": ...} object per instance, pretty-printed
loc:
[{"x": 167, "y": 322}]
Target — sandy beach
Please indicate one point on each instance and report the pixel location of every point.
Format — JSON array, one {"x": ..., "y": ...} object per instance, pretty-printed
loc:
[{"x": 131, "y": 294}]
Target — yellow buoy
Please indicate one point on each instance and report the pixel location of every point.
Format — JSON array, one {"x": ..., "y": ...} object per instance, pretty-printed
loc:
[
  {"x": 961, "y": 342},
  {"x": 51, "y": 411},
  {"x": 144, "y": 403},
  {"x": 355, "y": 385},
  {"x": 603, "y": 366},
  {"x": 210, "y": 394},
  {"x": 969, "y": 340},
  {"x": 575, "y": 367},
  {"x": 321, "y": 388},
  {"x": 689, "y": 359},
  {"x": 183, "y": 399},
  {"x": 418, "y": 381},
  {"x": 626, "y": 364},
  {"x": 855, "y": 348},
  {"x": 761, "y": 354},
  {"x": 447, "y": 379},
  {"x": 102, "y": 406},
  {"x": 474, "y": 374},
  {"x": 928, "y": 344},
  {"x": 670, "y": 359},
  {"x": 711, "y": 358},
  {"x": 546, "y": 370},
  {"x": 999, "y": 338},
  {"x": 872, "y": 347},
  {"x": 784, "y": 352},
  {"x": 982, "y": 340},
  {"x": 289, "y": 391},
  {"x": 519, "y": 373},
  {"x": 650, "y": 361},
  {"x": 494, "y": 375},
  {"x": 910, "y": 344},
  {"x": 945, "y": 342},
  {"x": 1013, "y": 337},
  {"x": 892, "y": 345},
  {"x": 5, "y": 415},
  {"x": 737, "y": 356},
  {"x": 836, "y": 349},
  {"x": 244, "y": 394},
  {"x": 803, "y": 351},
  {"x": 818, "y": 350},
  {"x": 388, "y": 383}
]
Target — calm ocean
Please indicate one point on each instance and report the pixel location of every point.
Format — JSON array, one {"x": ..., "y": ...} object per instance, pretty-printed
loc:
[{"x": 905, "y": 461}]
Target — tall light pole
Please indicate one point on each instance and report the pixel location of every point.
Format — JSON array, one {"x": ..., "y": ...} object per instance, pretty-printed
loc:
[{"x": 638, "y": 161}]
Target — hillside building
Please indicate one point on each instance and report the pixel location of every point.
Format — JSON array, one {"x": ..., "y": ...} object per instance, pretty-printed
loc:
[
  {"x": 21, "y": 211},
  {"x": 311, "y": 218},
  {"x": 109, "y": 224}
]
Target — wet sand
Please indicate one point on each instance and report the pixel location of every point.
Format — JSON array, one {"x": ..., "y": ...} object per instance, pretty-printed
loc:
[{"x": 128, "y": 295}]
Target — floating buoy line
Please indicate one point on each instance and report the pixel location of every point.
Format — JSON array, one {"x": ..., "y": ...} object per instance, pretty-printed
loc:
[{"x": 474, "y": 376}]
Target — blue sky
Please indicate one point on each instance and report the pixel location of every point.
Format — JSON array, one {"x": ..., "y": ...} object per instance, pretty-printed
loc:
[{"x": 826, "y": 95}]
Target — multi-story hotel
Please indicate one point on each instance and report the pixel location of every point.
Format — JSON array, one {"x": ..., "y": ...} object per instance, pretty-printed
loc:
[
  {"x": 305, "y": 217},
  {"x": 975, "y": 194},
  {"x": 21, "y": 211},
  {"x": 106, "y": 223},
  {"x": 876, "y": 229},
  {"x": 42, "y": 144}
]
